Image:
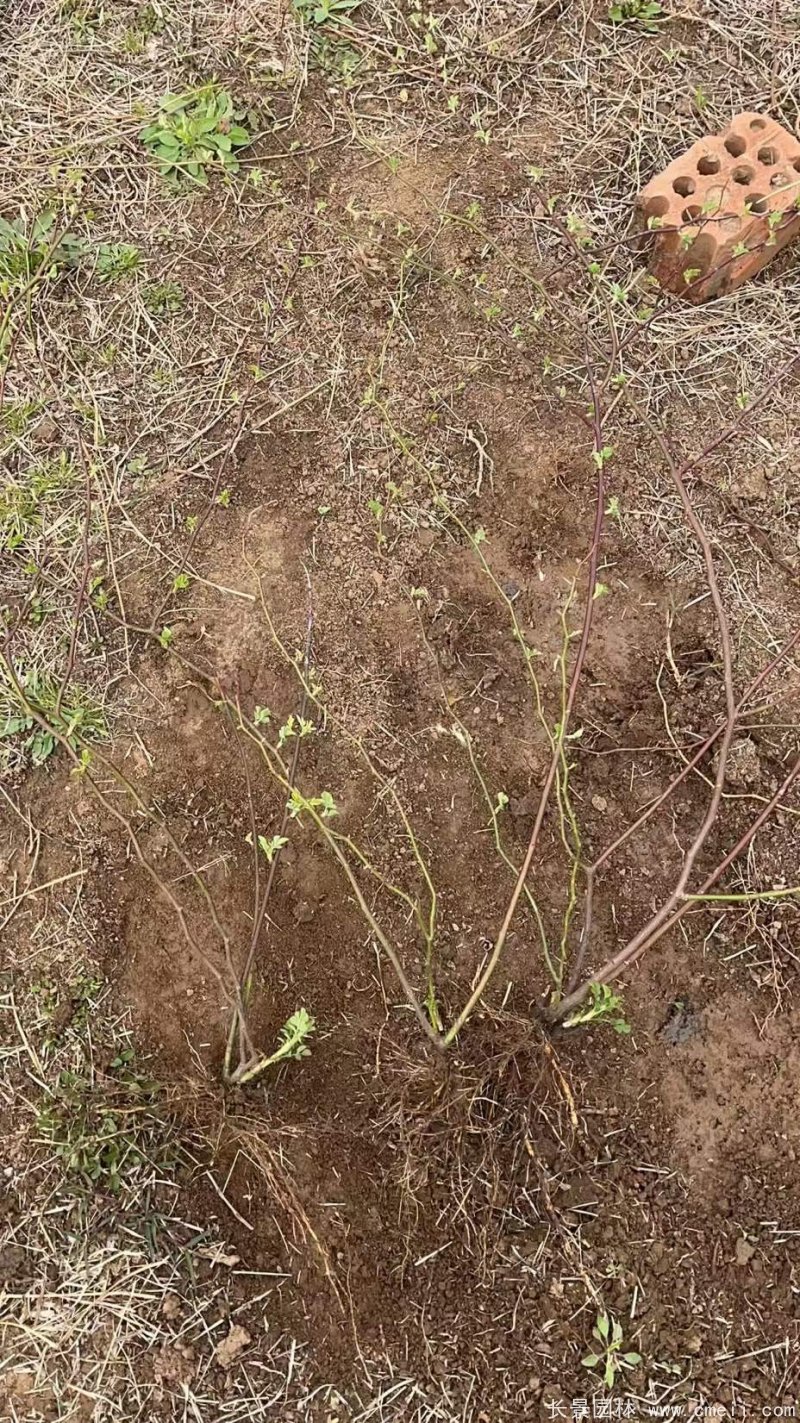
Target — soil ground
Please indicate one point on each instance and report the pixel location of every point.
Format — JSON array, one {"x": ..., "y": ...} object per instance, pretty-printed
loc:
[{"x": 320, "y": 457}]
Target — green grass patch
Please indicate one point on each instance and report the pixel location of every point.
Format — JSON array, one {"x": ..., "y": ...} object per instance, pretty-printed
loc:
[
  {"x": 114, "y": 260},
  {"x": 30, "y": 501},
  {"x": 104, "y": 1127},
  {"x": 77, "y": 715},
  {"x": 33, "y": 246},
  {"x": 164, "y": 298}
]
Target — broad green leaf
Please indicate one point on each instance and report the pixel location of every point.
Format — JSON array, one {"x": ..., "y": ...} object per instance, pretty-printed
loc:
[{"x": 16, "y": 724}]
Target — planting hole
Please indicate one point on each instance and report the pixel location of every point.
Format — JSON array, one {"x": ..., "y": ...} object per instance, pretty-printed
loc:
[
  {"x": 768, "y": 156},
  {"x": 692, "y": 212},
  {"x": 684, "y": 186},
  {"x": 743, "y": 175},
  {"x": 708, "y": 165},
  {"x": 756, "y": 203},
  {"x": 757, "y": 124},
  {"x": 735, "y": 145}
]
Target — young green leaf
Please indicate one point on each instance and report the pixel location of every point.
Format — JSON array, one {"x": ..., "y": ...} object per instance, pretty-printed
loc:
[{"x": 271, "y": 847}]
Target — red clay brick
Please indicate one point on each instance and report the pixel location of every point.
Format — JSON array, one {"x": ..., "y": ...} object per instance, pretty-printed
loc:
[{"x": 718, "y": 196}]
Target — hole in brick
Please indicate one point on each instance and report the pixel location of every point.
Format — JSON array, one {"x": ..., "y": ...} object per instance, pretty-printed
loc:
[
  {"x": 729, "y": 224},
  {"x": 757, "y": 124},
  {"x": 653, "y": 211},
  {"x": 713, "y": 201},
  {"x": 779, "y": 180},
  {"x": 756, "y": 203},
  {"x": 735, "y": 145},
  {"x": 656, "y": 207},
  {"x": 702, "y": 252},
  {"x": 708, "y": 165},
  {"x": 743, "y": 175},
  {"x": 768, "y": 156},
  {"x": 684, "y": 186},
  {"x": 691, "y": 213},
  {"x": 796, "y": 165}
]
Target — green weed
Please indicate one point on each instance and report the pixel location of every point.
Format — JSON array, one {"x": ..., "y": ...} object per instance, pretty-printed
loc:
[
  {"x": 16, "y": 416},
  {"x": 81, "y": 15},
  {"x": 608, "y": 1334},
  {"x": 116, "y": 259},
  {"x": 195, "y": 131},
  {"x": 647, "y": 13},
  {"x": 26, "y": 501},
  {"x": 103, "y": 1127},
  {"x": 77, "y": 715},
  {"x": 378, "y": 509},
  {"x": 71, "y": 1004},
  {"x": 323, "y": 19},
  {"x": 147, "y": 22},
  {"x": 32, "y": 246},
  {"x": 164, "y": 298},
  {"x": 324, "y": 12}
]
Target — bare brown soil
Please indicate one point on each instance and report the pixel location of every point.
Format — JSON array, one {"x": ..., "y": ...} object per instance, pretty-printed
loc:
[{"x": 452, "y": 1216}]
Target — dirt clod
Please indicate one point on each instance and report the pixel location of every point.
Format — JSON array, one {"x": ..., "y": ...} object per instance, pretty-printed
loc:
[{"x": 234, "y": 1343}]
